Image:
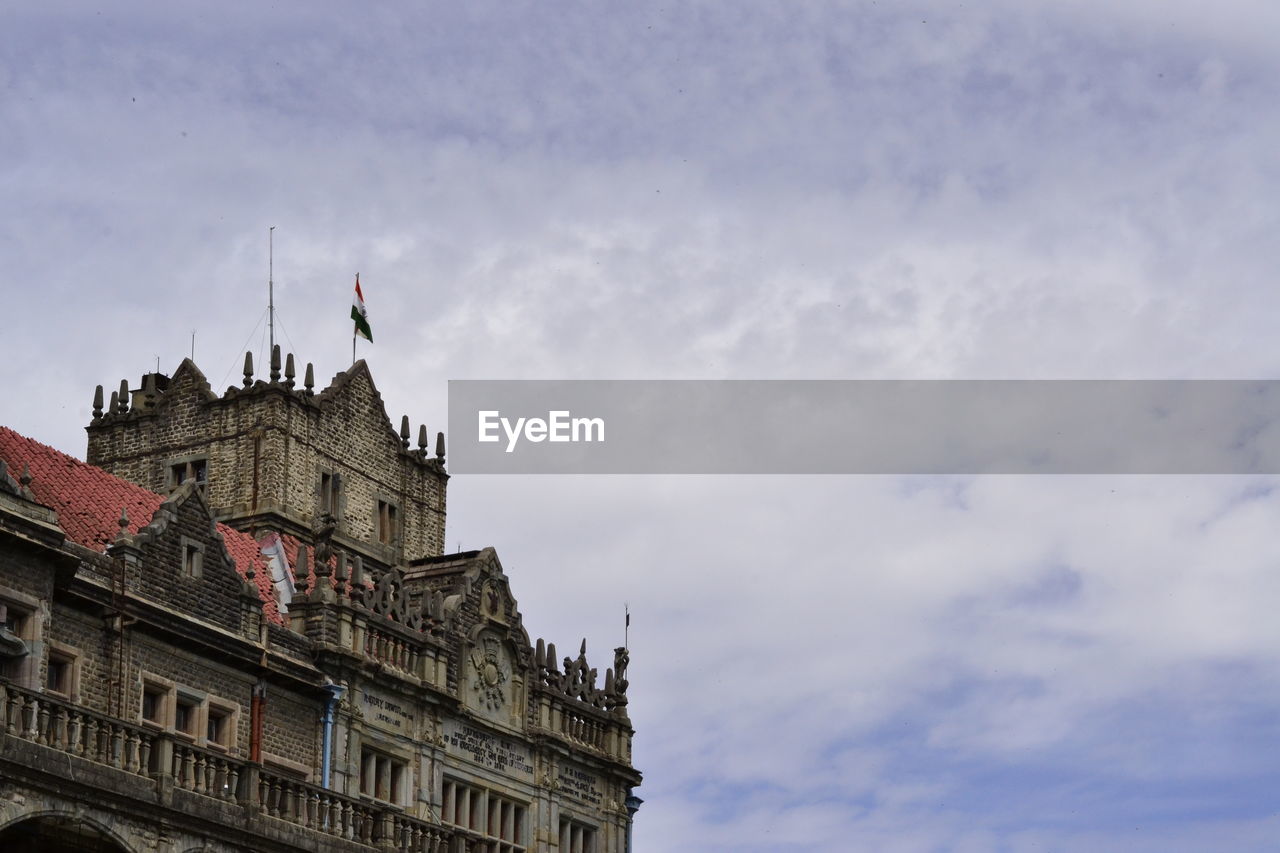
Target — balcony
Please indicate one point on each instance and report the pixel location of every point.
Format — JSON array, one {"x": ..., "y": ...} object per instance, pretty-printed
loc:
[{"x": 55, "y": 746}]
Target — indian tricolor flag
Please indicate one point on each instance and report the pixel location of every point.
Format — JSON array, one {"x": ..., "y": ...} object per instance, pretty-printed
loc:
[{"x": 359, "y": 314}]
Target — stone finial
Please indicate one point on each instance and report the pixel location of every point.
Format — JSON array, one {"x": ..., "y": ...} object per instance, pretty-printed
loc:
[
  {"x": 248, "y": 369},
  {"x": 301, "y": 571},
  {"x": 341, "y": 573},
  {"x": 289, "y": 372},
  {"x": 122, "y": 402},
  {"x": 24, "y": 482},
  {"x": 115, "y": 401},
  {"x": 424, "y": 440},
  {"x": 310, "y": 380},
  {"x": 357, "y": 572},
  {"x": 404, "y": 431},
  {"x": 440, "y": 446},
  {"x": 275, "y": 363},
  {"x": 150, "y": 393},
  {"x": 123, "y": 522},
  {"x": 97, "y": 402},
  {"x": 540, "y": 653}
]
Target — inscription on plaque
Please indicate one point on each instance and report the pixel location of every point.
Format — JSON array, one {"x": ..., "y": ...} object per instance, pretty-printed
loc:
[
  {"x": 387, "y": 713},
  {"x": 580, "y": 784},
  {"x": 487, "y": 750}
]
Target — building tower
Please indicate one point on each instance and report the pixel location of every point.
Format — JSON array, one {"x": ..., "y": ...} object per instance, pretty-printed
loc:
[{"x": 235, "y": 628}]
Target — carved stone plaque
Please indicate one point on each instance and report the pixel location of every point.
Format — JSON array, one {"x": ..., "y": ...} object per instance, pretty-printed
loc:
[
  {"x": 386, "y": 711},
  {"x": 579, "y": 784},
  {"x": 486, "y": 749}
]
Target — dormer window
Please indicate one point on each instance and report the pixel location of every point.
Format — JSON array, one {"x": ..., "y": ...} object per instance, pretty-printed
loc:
[{"x": 192, "y": 558}]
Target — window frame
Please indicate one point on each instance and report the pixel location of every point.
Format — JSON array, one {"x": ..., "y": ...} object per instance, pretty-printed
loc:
[
  {"x": 68, "y": 657},
  {"x": 30, "y": 624},
  {"x": 397, "y": 781},
  {"x": 195, "y": 710},
  {"x": 179, "y": 468},
  {"x": 500, "y": 820},
  {"x": 386, "y": 523},
  {"x": 587, "y": 836},
  {"x": 192, "y": 557},
  {"x": 163, "y": 690},
  {"x": 228, "y": 715},
  {"x": 329, "y": 494}
]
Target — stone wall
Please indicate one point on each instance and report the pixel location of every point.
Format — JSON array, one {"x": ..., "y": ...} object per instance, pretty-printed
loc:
[{"x": 266, "y": 446}]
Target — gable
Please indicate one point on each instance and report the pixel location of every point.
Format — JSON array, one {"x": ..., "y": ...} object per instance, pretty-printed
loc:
[
  {"x": 89, "y": 502},
  {"x": 184, "y": 564}
]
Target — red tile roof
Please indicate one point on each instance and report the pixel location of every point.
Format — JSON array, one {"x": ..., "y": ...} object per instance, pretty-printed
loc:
[{"x": 88, "y": 501}]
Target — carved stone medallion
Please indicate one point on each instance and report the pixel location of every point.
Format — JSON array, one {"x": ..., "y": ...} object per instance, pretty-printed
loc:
[{"x": 490, "y": 674}]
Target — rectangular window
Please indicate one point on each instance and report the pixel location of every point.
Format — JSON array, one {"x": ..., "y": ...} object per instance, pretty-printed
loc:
[
  {"x": 14, "y": 620},
  {"x": 60, "y": 676},
  {"x": 16, "y": 623},
  {"x": 185, "y": 716},
  {"x": 576, "y": 837},
  {"x": 329, "y": 486},
  {"x": 191, "y": 469},
  {"x": 386, "y": 523},
  {"x": 381, "y": 776},
  {"x": 501, "y": 821},
  {"x": 154, "y": 704},
  {"x": 218, "y": 727},
  {"x": 192, "y": 559}
]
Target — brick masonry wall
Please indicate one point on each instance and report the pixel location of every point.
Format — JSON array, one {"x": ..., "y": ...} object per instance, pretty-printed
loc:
[
  {"x": 267, "y": 447},
  {"x": 291, "y": 728}
]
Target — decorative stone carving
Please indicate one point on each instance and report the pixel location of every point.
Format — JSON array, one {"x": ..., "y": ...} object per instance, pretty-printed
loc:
[{"x": 490, "y": 673}]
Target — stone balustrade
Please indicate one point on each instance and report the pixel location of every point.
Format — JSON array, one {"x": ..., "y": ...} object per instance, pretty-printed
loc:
[
  {"x": 55, "y": 723},
  {"x": 61, "y": 726}
]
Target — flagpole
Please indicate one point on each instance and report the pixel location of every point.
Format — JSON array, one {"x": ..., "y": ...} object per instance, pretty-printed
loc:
[{"x": 271, "y": 285}]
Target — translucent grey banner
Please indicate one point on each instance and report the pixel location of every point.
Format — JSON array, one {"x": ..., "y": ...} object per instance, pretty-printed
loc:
[{"x": 864, "y": 427}]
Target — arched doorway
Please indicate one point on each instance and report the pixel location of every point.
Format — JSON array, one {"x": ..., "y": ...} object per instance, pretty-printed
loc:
[{"x": 57, "y": 834}]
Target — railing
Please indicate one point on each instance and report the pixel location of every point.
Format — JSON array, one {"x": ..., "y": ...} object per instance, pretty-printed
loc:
[
  {"x": 58, "y": 724},
  {"x": 582, "y": 725},
  {"x": 346, "y": 817},
  {"x": 581, "y": 729},
  {"x": 203, "y": 771},
  {"x": 389, "y": 649},
  {"x": 55, "y": 723}
]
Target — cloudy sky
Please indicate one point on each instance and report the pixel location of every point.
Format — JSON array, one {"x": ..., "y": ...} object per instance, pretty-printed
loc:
[{"x": 738, "y": 190}]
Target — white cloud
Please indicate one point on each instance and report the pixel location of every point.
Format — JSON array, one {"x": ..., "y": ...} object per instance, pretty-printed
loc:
[{"x": 1073, "y": 189}]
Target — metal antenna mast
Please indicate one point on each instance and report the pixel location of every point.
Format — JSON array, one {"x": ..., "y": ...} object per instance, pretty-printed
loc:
[{"x": 271, "y": 286}]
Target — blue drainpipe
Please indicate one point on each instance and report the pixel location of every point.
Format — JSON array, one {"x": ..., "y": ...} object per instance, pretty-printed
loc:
[
  {"x": 633, "y": 805},
  {"x": 326, "y": 762}
]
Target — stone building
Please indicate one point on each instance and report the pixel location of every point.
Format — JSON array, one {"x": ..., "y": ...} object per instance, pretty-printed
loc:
[{"x": 234, "y": 628}]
